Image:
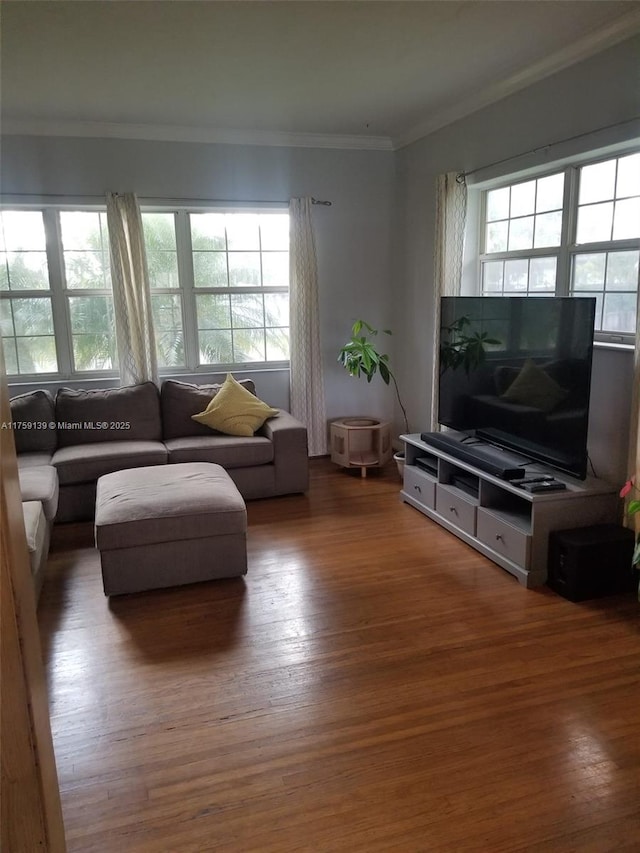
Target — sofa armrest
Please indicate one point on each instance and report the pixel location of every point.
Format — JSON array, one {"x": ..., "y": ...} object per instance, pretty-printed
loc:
[{"x": 290, "y": 452}]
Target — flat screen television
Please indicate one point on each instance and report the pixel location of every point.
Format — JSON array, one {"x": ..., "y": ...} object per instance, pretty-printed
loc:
[{"x": 516, "y": 372}]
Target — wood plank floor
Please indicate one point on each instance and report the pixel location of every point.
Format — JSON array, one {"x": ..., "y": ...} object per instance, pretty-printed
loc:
[{"x": 372, "y": 685}]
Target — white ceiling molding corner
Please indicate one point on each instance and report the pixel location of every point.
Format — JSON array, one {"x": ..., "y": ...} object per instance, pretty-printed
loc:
[{"x": 613, "y": 33}]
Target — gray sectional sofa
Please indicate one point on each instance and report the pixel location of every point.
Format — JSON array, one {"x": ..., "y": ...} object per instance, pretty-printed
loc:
[{"x": 65, "y": 444}]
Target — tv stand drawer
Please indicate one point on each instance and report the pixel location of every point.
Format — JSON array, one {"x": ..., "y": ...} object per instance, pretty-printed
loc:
[
  {"x": 456, "y": 509},
  {"x": 419, "y": 486},
  {"x": 503, "y": 538}
]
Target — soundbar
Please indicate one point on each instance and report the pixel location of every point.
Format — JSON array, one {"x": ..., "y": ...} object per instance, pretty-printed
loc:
[{"x": 486, "y": 458}]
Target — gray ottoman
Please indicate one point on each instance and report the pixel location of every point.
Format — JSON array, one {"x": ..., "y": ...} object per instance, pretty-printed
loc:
[{"x": 166, "y": 525}]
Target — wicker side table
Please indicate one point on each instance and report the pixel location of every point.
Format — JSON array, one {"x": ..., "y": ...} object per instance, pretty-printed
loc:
[{"x": 360, "y": 443}]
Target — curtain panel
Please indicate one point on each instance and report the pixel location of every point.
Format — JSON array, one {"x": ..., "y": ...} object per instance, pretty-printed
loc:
[
  {"x": 451, "y": 217},
  {"x": 131, "y": 291},
  {"x": 307, "y": 384}
]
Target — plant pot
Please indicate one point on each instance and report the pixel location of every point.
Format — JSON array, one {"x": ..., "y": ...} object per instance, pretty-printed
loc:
[{"x": 399, "y": 460}]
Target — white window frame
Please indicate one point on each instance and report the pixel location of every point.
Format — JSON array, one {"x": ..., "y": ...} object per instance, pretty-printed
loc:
[{"x": 568, "y": 248}]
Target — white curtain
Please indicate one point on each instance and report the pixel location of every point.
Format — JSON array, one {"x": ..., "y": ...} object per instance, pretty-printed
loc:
[
  {"x": 307, "y": 388},
  {"x": 131, "y": 292},
  {"x": 451, "y": 216}
]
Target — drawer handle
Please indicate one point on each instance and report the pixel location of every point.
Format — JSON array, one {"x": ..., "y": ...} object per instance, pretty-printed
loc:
[
  {"x": 453, "y": 510},
  {"x": 499, "y": 537},
  {"x": 418, "y": 489}
]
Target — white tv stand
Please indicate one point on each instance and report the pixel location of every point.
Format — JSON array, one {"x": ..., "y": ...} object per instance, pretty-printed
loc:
[{"x": 504, "y": 522}]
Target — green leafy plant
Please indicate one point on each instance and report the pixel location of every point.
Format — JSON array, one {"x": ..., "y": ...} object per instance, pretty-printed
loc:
[
  {"x": 458, "y": 348},
  {"x": 633, "y": 507},
  {"x": 360, "y": 357}
]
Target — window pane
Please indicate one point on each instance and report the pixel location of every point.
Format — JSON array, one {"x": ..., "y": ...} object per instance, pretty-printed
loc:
[
  {"x": 37, "y": 355},
  {"x": 26, "y": 270},
  {"x": 275, "y": 269},
  {"x": 550, "y": 193},
  {"x": 492, "y": 277},
  {"x": 274, "y": 231},
  {"x": 244, "y": 269},
  {"x": 169, "y": 333},
  {"x": 159, "y": 232},
  {"x": 521, "y": 233},
  {"x": 588, "y": 271},
  {"x": 93, "y": 332},
  {"x": 628, "y": 182},
  {"x": 249, "y": 345},
  {"x": 542, "y": 275},
  {"x": 242, "y": 231},
  {"x": 6, "y": 319},
  {"x": 215, "y": 347},
  {"x": 23, "y": 230},
  {"x": 88, "y": 270},
  {"x": 597, "y": 182},
  {"x": 210, "y": 269},
  {"x": 214, "y": 311},
  {"x": 4, "y": 272},
  {"x": 515, "y": 276},
  {"x": 207, "y": 231},
  {"x": 276, "y": 309},
  {"x": 497, "y": 236},
  {"x": 594, "y": 223},
  {"x": 93, "y": 352},
  {"x": 548, "y": 230},
  {"x": 498, "y": 204},
  {"x": 622, "y": 270},
  {"x": 626, "y": 219},
  {"x": 163, "y": 269},
  {"x": 619, "y": 314},
  {"x": 84, "y": 230},
  {"x": 32, "y": 316},
  {"x": 523, "y": 199},
  {"x": 277, "y": 344},
  {"x": 247, "y": 311},
  {"x": 10, "y": 355}
]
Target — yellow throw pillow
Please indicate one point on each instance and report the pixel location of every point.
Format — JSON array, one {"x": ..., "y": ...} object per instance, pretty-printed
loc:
[
  {"x": 534, "y": 387},
  {"x": 234, "y": 410}
]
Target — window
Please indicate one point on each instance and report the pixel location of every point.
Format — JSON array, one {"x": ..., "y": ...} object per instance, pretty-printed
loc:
[
  {"x": 219, "y": 290},
  {"x": 241, "y": 276},
  {"x": 572, "y": 233}
]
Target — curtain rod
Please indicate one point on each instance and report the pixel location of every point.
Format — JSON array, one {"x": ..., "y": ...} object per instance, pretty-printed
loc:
[
  {"x": 186, "y": 201},
  {"x": 461, "y": 176}
]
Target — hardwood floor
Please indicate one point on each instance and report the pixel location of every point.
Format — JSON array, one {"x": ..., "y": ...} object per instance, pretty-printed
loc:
[{"x": 372, "y": 685}]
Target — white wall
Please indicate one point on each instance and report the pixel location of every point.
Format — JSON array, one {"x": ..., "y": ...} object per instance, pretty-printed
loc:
[
  {"x": 598, "y": 92},
  {"x": 352, "y": 236}
]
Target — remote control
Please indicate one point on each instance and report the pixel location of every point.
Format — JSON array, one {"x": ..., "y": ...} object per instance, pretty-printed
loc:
[
  {"x": 530, "y": 480},
  {"x": 551, "y": 486}
]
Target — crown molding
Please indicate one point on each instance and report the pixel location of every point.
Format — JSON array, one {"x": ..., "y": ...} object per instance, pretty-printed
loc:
[
  {"x": 607, "y": 36},
  {"x": 173, "y": 133}
]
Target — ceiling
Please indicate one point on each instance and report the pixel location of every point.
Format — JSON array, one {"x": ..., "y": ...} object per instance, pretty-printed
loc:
[{"x": 350, "y": 74}]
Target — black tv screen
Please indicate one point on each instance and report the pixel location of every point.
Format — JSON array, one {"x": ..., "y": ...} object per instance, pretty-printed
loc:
[{"x": 516, "y": 372}]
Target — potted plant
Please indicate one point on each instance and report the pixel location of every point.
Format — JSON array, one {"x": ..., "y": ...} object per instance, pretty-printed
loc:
[
  {"x": 633, "y": 507},
  {"x": 360, "y": 357}
]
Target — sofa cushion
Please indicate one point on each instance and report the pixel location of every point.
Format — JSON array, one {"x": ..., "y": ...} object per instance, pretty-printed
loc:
[
  {"x": 35, "y": 525},
  {"x": 181, "y": 400},
  {"x": 235, "y": 411},
  {"x": 34, "y": 460},
  {"x": 83, "y": 463},
  {"x": 131, "y": 413},
  {"x": 35, "y": 408},
  {"x": 221, "y": 450},
  {"x": 40, "y": 484},
  {"x": 175, "y": 502},
  {"x": 534, "y": 387}
]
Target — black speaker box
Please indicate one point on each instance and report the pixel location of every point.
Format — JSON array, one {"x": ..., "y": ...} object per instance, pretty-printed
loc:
[{"x": 591, "y": 562}]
